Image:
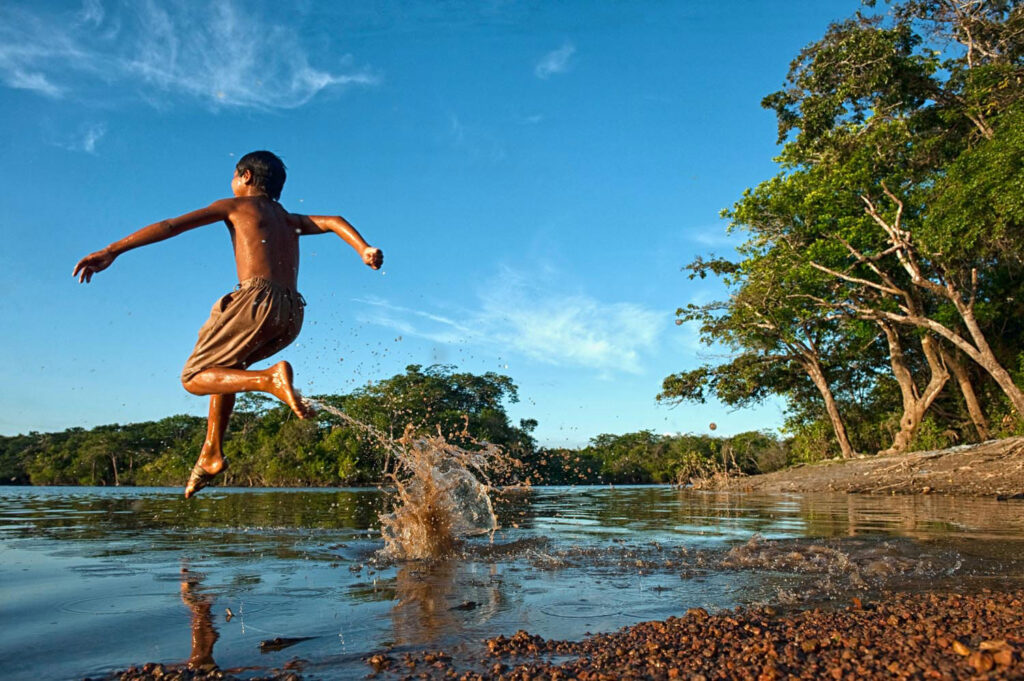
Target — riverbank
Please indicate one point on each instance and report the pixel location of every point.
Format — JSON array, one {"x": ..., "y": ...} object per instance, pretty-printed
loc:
[
  {"x": 903, "y": 636},
  {"x": 991, "y": 469}
]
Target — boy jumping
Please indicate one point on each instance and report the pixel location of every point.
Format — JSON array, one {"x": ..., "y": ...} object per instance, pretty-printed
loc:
[{"x": 264, "y": 312}]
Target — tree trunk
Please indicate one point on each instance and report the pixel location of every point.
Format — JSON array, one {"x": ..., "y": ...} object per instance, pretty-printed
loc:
[
  {"x": 813, "y": 369},
  {"x": 977, "y": 348},
  {"x": 980, "y": 352},
  {"x": 113, "y": 464},
  {"x": 915, "y": 403},
  {"x": 963, "y": 379},
  {"x": 987, "y": 359}
]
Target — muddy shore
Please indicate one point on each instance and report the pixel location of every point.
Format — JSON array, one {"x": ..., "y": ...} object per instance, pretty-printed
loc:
[{"x": 994, "y": 468}]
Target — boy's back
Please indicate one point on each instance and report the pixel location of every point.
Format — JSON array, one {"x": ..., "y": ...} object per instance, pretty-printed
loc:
[{"x": 265, "y": 238}]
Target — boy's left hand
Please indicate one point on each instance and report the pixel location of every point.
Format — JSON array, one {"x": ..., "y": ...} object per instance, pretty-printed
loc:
[
  {"x": 373, "y": 257},
  {"x": 91, "y": 264}
]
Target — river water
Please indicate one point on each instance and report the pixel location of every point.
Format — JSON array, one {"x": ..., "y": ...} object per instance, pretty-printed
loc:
[{"x": 98, "y": 579}]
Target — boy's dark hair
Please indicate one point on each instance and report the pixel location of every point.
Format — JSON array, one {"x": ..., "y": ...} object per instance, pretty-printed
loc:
[{"x": 268, "y": 171}]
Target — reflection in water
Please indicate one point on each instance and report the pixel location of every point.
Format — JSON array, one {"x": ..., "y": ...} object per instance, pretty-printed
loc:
[
  {"x": 421, "y": 610},
  {"x": 97, "y": 573},
  {"x": 442, "y": 598},
  {"x": 204, "y": 634}
]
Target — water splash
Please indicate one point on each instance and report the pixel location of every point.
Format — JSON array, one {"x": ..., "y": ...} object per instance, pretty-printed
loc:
[
  {"x": 442, "y": 491},
  {"x": 443, "y": 494}
]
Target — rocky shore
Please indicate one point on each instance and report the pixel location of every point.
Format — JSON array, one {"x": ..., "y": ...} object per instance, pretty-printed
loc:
[
  {"x": 898, "y": 636},
  {"x": 152, "y": 671},
  {"x": 901, "y": 636}
]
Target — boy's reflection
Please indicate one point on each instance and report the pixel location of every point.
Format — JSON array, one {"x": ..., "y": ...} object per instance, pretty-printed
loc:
[
  {"x": 204, "y": 635},
  {"x": 434, "y": 600}
]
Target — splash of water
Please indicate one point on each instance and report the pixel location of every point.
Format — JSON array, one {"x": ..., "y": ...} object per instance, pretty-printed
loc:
[
  {"x": 443, "y": 495},
  {"x": 442, "y": 491}
]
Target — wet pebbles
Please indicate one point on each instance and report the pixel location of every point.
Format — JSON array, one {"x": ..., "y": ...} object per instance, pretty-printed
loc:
[
  {"x": 160, "y": 672},
  {"x": 901, "y": 636}
]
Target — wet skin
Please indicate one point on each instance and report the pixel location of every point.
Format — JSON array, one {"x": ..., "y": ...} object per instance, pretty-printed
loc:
[{"x": 265, "y": 238}]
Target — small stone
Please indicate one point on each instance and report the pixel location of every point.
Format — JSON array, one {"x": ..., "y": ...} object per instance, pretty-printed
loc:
[
  {"x": 960, "y": 649},
  {"x": 993, "y": 645},
  {"x": 1004, "y": 657},
  {"x": 982, "y": 662}
]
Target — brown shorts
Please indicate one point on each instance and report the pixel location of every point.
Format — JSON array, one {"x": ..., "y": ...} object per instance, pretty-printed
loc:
[{"x": 251, "y": 323}]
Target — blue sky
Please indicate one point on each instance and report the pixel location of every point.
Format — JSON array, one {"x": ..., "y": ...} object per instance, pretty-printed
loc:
[{"x": 535, "y": 172}]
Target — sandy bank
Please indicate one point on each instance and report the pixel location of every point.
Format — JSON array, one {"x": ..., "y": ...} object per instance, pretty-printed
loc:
[{"x": 993, "y": 468}]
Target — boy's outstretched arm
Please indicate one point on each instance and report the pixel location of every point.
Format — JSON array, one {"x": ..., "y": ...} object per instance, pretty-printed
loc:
[
  {"x": 322, "y": 224},
  {"x": 158, "y": 231}
]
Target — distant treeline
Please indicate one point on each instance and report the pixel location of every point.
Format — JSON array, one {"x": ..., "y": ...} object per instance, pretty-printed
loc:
[{"x": 268, "y": 446}]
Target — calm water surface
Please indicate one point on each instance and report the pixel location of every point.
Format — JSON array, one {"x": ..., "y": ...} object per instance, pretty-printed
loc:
[{"x": 98, "y": 579}]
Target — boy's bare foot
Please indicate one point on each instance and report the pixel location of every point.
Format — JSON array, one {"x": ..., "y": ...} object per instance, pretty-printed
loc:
[
  {"x": 202, "y": 477},
  {"x": 281, "y": 378}
]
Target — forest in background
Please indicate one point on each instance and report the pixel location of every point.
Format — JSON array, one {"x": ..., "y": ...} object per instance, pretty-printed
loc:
[
  {"x": 268, "y": 446},
  {"x": 879, "y": 290}
]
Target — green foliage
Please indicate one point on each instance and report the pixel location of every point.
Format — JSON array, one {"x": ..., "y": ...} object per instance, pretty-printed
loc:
[
  {"x": 812, "y": 442},
  {"x": 646, "y": 457},
  {"x": 899, "y": 200},
  {"x": 932, "y": 435},
  {"x": 268, "y": 446}
]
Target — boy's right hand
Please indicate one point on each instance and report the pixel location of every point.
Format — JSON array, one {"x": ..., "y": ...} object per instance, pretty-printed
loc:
[
  {"x": 91, "y": 264},
  {"x": 374, "y": 257}
]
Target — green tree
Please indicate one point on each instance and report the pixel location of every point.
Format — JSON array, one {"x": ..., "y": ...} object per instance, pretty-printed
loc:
[{"x": 894, "y": 222}]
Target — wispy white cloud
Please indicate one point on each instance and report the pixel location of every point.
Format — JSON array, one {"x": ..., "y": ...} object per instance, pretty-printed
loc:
[
  {"x": 92, "y": 13},
  {"x": 556, "y": 61},
  {"x": 221, "y": 53},
  {"x": 84, "y": 138},
  {"x": 33, "y": 80},
  {"x": 91, "y": 134},
  {"x": 515, "y": 315}
]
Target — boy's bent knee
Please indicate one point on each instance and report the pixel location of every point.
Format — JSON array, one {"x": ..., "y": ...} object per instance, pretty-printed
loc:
[{"x": 189, "y": 385}]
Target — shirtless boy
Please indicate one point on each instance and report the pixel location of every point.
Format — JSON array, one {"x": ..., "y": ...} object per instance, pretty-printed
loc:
[{"x": 264, "y": 312}]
